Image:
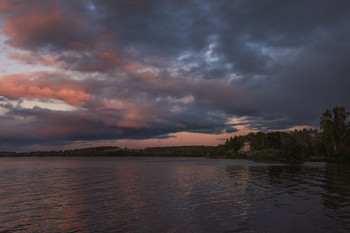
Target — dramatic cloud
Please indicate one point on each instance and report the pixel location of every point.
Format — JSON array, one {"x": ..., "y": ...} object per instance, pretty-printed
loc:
[
  {"x": 153, "y": 69},
  {"x": 41, "y": 85}
]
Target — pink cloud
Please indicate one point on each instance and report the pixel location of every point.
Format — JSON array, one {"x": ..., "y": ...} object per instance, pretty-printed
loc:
[
  {"x": 137, "y": 69},
  {"x": 78, "y": 45},
  {"x": 130, "y": 115},
  {"x": 34, "y": 59},
  {"x": 107, "y": 37},
  {"x": 131, "y": 68},
  {"x": 109, "y": 56},
  {"x": 147, "y": 75},
  {"x": 10, "y": 5},
  {"x": 33, "y": 26},
  {"x": 47, "y": 29},
  {"x": 36, "y": 85}
]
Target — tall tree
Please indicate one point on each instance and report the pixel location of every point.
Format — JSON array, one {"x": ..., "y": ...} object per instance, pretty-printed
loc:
[{"x": 335, "y": 126}]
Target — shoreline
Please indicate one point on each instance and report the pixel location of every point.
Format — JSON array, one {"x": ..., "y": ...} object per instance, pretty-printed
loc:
[
  {"x": 175, "y": 156},
  {"x": 260, "y": 156}
]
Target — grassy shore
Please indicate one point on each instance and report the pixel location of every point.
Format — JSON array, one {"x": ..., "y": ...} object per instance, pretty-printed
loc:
[{"x": 272, "y": 156}]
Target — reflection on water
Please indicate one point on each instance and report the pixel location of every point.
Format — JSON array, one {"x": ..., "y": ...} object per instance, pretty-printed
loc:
[
  {"x": 171, "y": 195},
  {"x": 337, "y": 195}
]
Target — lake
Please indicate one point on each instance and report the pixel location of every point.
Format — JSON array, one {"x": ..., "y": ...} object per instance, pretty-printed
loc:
[{"x": 109, "y": 194}]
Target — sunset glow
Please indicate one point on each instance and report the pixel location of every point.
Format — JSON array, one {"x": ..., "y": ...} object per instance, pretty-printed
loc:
[{"x": 142, "y": 73}]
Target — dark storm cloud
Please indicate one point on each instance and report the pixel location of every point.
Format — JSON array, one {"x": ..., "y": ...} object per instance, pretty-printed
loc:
[
  {"x": 159, "y": 67},
  {"x": 22, "y": 126},
  {"x": 231, "y": 130}
]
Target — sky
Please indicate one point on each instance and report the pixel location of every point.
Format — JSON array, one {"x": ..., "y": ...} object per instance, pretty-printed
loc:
[{"x": 164, "y": 73}]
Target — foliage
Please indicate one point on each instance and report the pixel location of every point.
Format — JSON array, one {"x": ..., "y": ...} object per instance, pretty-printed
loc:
[
  {"x": 176, "y": 151},
  {"x": 336, "y": 132},
  {"x": 270, "y": 155},
  {"x": 331, "y": 144}
]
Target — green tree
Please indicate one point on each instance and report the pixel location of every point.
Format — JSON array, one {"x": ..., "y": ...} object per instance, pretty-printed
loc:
[
  {"x": 259, "y": 141},
  {"x": 274, "y": 140},
  {"x": 335, "y": 135}
]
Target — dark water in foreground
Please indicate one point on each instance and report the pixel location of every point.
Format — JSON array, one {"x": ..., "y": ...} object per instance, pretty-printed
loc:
[{"x": 171, "y": 195}]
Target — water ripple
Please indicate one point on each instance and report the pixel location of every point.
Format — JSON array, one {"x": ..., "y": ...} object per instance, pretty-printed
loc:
[{"x": 171, "y": 195}]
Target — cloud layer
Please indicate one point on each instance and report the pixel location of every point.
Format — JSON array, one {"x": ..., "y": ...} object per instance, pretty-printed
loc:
[{"x": 149, "y": 69}]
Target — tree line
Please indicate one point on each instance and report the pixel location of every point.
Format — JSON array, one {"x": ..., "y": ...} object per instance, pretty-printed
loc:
[
  {"x": 114, "y": 151},
  {"x": 331, "y": 143}
]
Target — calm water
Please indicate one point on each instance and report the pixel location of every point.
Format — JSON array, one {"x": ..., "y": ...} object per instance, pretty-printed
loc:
[{"x": 171, "y": 195}]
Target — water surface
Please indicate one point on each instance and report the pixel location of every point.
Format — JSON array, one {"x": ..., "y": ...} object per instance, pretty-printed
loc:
[{"x": 171, "y": 195}]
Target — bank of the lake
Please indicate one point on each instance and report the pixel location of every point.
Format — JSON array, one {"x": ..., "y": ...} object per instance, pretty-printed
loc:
[
  {"x": 261, "y": 156},
  {"x": 276, "y": 156},
  {"x": 114, "y": 151}
]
